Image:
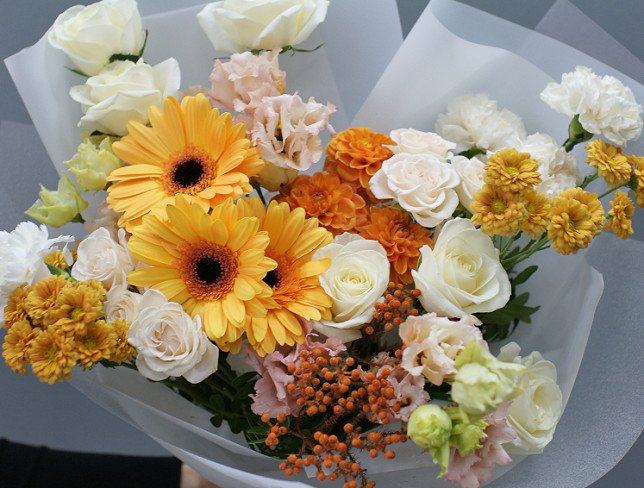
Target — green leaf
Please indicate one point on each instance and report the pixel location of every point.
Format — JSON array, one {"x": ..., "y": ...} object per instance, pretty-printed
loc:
[
  {"x": 77, "y": 71},
  {"x": 217, "y": 420},
  {"x": 124, "y": 57},
  {"x": 217, "y": 403},
  {"x": 524, "y": 275},
  {"x": 57, "y": 271}
]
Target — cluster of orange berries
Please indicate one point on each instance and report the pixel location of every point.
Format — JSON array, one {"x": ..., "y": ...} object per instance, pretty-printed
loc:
[
  {"x": 276, "y": 430},
  {"x": 397, "y": 306}
]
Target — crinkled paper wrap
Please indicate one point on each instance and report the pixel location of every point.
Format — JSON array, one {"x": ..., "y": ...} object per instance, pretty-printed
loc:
[{"x": 443, "y": 66}]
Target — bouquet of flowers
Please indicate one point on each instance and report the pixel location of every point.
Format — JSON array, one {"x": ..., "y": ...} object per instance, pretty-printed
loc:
[{"x": 326, "y": 298}]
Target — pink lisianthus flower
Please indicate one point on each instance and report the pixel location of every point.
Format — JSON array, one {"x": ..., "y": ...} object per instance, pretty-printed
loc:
[
  {"x": 286, "y": 130},
  {"x": 475, "y": 469},
  {"x": 240, "y": 84}
]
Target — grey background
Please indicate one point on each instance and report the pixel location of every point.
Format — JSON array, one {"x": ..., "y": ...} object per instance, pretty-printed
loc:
[{"x": 58, "y": 415}]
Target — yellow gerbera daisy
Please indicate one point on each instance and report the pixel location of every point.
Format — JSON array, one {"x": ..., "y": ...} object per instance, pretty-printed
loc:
[
  {"x": 511, "y": 170},
  {"x": 498, "y": 212},
  {"x": 15, "y": 349},
  {"x": 611, "y": 163},
  {"x": 638, "y": 173},
  {"x": 297, "y": 293},
  {"x": 576, "y": 218},
  {"x": 538, "y": 209},
  {"x": 52, "y": 356},
  {"x": 212, "y": 264},
  {"x": 97, "y": 343},
  {"x": 190, "y": 149},
  {"x": 16, "y": 308},
  {"x": 619, "y": 216}
]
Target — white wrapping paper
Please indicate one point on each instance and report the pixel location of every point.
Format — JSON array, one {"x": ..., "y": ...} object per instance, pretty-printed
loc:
[{"x": 443, "y": 66}]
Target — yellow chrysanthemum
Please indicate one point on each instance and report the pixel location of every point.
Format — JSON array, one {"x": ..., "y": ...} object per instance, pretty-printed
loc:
[
  {"x": 498, "y": 212},
  {"x": 15, "y": 349},
  {"x": 52, "y": 356},
  {"x": 41, "y": 299},
  {"x": 611, "y": 163},
  {"x": 122, "y": 351},
  {"x": 576, "y": 218},
  {"x": 297, "y": 293},
  {"x": 96, "y": 344},
  {"x": 619, "y": 216},
  {"x": 511, "y": 170},
  {"x": 638, "y": 173},
  {"x": 57, "y": 259},
  {"x": 538, "y": 209},
  {"x": 16, "y": 308},
  {"x": 212, "y": 264},
  {"x": 77, "y": 307},
  {"x": 190, "y": 149}
]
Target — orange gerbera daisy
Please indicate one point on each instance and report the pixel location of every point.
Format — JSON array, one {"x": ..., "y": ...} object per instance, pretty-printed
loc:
[
  {"x": 401, "y": 237},
  {"x": 212, "y": 264},
  {"x": 190, "y": 149},
  {"x": 324, "y": 197},
  {"x": 356, "y": 154},
  {"x": 297, "y": 293}
]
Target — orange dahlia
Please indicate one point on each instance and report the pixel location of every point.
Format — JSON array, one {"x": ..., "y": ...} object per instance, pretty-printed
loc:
[
  {"x": 297, "y": 293},
  {"x": 190, "y": 149},
  {"x": 324, "y": 197},
  {"x": 356, "y": 154},
  {"x": 401, "y": 237}
]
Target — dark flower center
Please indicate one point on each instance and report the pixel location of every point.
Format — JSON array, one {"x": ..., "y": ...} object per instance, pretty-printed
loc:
[
  {"x": 188, "y": 173},
  {"x": 208, "y": 270},
  {"x": 272, "y": 278}
]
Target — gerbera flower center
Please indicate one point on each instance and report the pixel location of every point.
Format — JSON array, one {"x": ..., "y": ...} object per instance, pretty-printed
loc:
[
  {"x": 209, "y": 271},
  {"x": 272, "y": 278},
  {"x": 188, "y": 171}
]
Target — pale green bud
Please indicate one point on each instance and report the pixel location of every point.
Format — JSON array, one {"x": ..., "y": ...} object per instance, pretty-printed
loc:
[
  {"x": 430, "y": 428},
  {"x": 91, "y": 165},
  {"x": 56, "y": 208},
  {"x": 482, "y": 382},
  {"x": 467, "y": 432}
]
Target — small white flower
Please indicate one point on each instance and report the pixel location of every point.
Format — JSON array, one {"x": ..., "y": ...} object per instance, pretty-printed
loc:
[
  {"x": 91, "y": 35},
  {"x": 120, "y": 303},
  {"x": 169, "y": 342},
  {"x": 355, "y": 281},
  {"x": 124, "y": 91},
  {"x": 236, "y": 26},
  {"x": 412, "y": 141},
  {"x": 462, "y": 275},
  {"x": 21, "y": 256},
  {"x": 103, "y": 259},
  {"x": 534, "y": 414},
  {"x": 421, "y": 184},
  {"x": 475, "y": 121},
  {"x": 604, "y": 105},
  {"x": 470, "y": 172}
]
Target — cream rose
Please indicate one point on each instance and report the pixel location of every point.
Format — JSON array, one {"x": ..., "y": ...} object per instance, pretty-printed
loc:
[
  {"x": 421, "y": 184},
  {"x": 120, "y": 303},
  {"x": 534, "y": 414},
  {"x": 412, "y": 141},
  {"x": 287, "y": 129},
  {"x": 470, "y": 172},
  {"x": 169, "y": 342},
  {"x": 124, "y": 91},
  {"x": 462, "y": 275},
  {"x": 91, "y": 35},
  {"x": 355, "y": 281},
  {"x": 240, "y": 25},
  {"x": 103, "y": 259}
]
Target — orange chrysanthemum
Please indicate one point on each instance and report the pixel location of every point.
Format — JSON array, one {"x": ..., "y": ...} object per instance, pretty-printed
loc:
[
  {"x": 356, "y": 154},
  {"x": 42, "y": 297},
  {"x": 15, "y": 349},
  {"x": 16, "y": 308},
  {"x": 213, "y": 264},
  {"x": 56, "y": 259},
  {"x": 52, "y": 356},
  {"x": 619, "y": 216},
  {"x": 511, "y": 170},
  {"x": 577, "y": 217},
  {"x": 538, "y": 213},
  {"x": 96, "y": 344},
  {"x": 77, "y": 307},
  {"x": 498, "y": 212},
  {"x": 401, "y": 237},
  {"x": 638, "y": 176},
  {"x": 190, "y": 149},
  {"x": 122, "y": 351},
  {"x": 297, "y": 293},
  {"x": 611, "y": 163},
  {"x": 324, "y": 197}
]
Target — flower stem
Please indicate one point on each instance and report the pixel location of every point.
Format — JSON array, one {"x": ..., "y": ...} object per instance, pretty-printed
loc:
[
  {"x": 588, "y": 180},
  {"x": 260, "y": 193}
]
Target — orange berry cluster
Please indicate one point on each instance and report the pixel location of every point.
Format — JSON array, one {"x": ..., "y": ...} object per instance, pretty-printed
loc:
[
  {"x": 276, "y": 430},
  {"x": 397, "y": 306}
]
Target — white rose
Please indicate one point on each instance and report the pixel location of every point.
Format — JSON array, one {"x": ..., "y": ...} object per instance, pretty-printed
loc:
[
  {"x": 91, "y": 35},
  {"x": 535, "y": 412},
  {"x": 21, "y": 257},
  {"x": 124, "y": 91},
  {"x": 412, "y": 141},
  {"x": 120, "y": 303},
  {"x": 604, "y": 105},
  {"x": 462, "y": 274},
  {"x": 475, "y": 121},
  {"x": 558, "y": 168},
  {"x": 421, "y": 184},
  {"x": 240, "y": 25},
  {"x": 355, "y": 281},
  {"x": 470, "y": 172},
  {"x": 169, "y": 342},
  {"x": 101, "y": 258}
]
